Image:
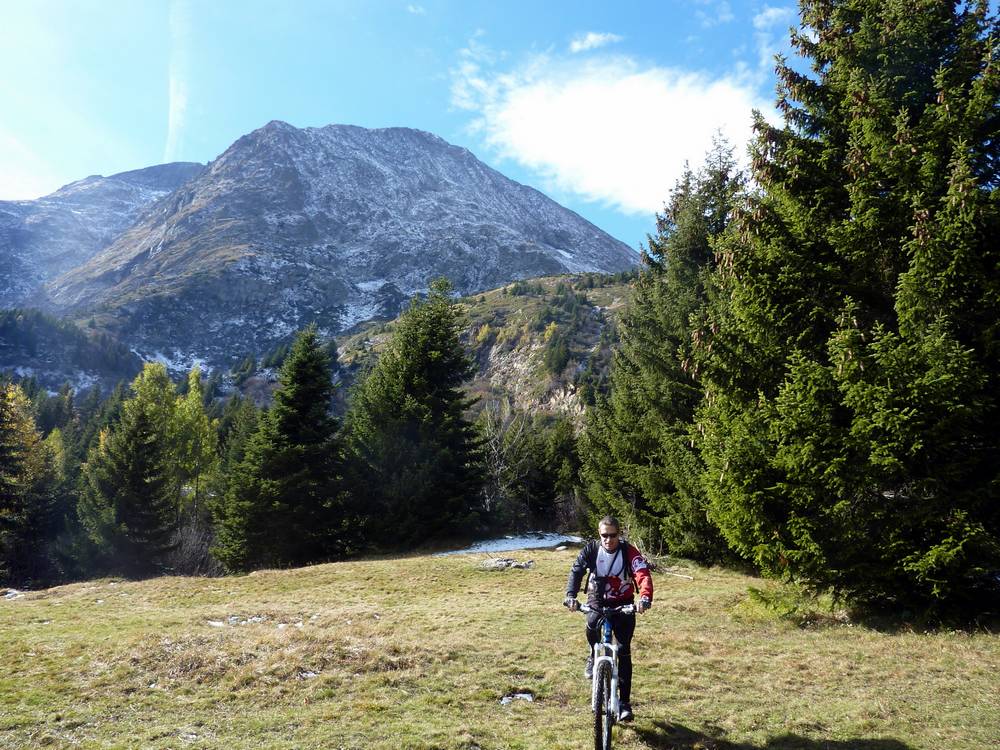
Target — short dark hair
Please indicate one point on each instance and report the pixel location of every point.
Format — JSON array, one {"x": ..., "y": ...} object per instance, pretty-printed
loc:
[{"x": 609, "y": 521}]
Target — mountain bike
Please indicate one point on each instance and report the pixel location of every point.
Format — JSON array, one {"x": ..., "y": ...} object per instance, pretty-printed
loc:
[{"x": 604, "y": 690}]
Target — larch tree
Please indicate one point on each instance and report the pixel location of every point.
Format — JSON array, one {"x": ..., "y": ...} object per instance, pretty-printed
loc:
[
  {"x": 195, "y": 440},
  {"x": 27, "y": 499}
]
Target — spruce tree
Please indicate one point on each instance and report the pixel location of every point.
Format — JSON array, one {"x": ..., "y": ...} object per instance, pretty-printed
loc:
[
  {"x": 96, "y": 414},
  {"x": 240, "y": 420},
  {"x": 284, "y": 502},
  {"x": 639, "y": 458},
  {"x": 552, "y": 474},
  {"x": 416, "y": 458},
  {"x": 74, "y": 550},
  {"x": 128, "y": 501},
  {"x": 850, "y": 426},
  {"x": 237, "y": 425}
]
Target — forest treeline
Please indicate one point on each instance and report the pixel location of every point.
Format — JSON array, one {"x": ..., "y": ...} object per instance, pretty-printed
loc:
[
  {"x": 26, "y": 335},
  {"x": 163, "y": 478},
  {"x": 806, "y": 381}
]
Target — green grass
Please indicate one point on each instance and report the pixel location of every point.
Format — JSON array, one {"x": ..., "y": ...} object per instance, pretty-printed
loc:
[{"x": 417, "y": 652}]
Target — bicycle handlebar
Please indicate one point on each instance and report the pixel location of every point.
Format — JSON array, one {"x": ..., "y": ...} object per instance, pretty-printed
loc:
[{"x": 623, "y": 609}]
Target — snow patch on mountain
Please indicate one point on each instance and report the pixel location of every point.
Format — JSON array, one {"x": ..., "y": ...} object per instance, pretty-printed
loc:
[{"x": 177, "y": 361}]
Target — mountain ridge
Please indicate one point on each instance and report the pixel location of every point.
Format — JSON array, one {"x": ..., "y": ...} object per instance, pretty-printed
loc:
[
  {"x": 42, "y": 238},
  {"x": 333, "y": 225}
]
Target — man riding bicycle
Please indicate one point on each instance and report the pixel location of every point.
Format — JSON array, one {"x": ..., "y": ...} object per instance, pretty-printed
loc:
[{"x": 616, "y": 569}]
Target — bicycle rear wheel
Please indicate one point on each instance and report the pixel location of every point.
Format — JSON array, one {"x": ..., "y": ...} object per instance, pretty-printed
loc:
[{"x": 602, "y": 708}]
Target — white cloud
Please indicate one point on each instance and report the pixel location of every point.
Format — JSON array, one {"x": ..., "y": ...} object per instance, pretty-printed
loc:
[
  {"x": 772, "y": 16},
  {"x": 612, "y": 130},
  {"x": 180, "y": 31},
  {"x": 592, "y": 40},
  {"x": 470, "y": 84},
  {"x": 417, "y": 10},
  {"x": 770, "y": 35},
  {"x": 24, "y": 176},
  {"x": 719, "y": 13}
]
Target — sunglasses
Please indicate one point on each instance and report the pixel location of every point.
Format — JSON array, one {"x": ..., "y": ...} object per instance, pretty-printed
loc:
[{"x": 609, "y": 536}]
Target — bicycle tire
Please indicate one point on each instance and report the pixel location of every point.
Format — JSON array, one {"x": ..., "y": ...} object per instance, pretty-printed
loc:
[{"x": 602, "y": 708}]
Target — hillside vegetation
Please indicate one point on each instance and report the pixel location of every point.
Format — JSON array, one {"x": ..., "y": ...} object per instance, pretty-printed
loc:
[
  {"x": 56, "y": 351},
  {"x": 545, "y": 344},
  {"x": 418, "y": 652}
]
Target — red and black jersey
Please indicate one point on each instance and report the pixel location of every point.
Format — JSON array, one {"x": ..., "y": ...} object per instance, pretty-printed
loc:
[{"x": 613, "y": 576}]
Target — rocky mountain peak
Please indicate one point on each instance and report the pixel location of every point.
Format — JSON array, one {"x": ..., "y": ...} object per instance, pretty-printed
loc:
[
  {"x": 333, "y": 225},
  {"x": 43, "y": 238}
]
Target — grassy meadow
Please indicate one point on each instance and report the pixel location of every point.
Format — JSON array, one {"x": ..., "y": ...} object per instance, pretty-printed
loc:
[{"x": 417, "y": 652}]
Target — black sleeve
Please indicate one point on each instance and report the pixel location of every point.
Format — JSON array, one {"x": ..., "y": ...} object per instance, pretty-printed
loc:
[{"x": 578, "y": 570}]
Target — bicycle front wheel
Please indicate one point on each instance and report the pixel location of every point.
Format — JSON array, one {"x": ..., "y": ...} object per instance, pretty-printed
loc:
[{"x": 602, "y": 708}]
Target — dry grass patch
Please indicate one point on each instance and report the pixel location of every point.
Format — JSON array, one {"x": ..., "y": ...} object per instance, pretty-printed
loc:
[{"x": 418, "y": 652}]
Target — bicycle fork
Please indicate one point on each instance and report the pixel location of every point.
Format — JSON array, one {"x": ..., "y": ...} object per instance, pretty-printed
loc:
[{"x": 606, "y": 652}]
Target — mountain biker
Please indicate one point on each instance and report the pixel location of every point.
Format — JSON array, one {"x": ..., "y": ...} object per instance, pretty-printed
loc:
[{"x": 616, "y": 569}]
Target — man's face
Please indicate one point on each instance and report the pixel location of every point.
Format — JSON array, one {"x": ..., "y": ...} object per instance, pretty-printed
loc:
[{"x": 609, "y": 537}]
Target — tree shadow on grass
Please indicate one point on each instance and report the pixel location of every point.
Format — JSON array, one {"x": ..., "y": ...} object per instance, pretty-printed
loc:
[
  {"x": 987, "y": 623},
  {"x": 666, "y": 736}
]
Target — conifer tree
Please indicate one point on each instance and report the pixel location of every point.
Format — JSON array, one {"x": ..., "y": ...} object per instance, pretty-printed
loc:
[
  {"x": 639, "y": 458},
  {"x": 96, "y": 415},
  {"x": 284, "y": 502},
  {"x": 552, "y": 475},
  {"x": 195, "y": 441},
  {"x": 27, "y": 481},
  {"x": 54, "y": 411},
  {"x": 851, "y": 432},
  {"x": 416, "y": 458},
  {"x": 238, "y": 424},
  {"x": 76, "y": 554},
  {"x": 158, "y": 395},
  {"x": 240, "y": 420},
  {"x": 128, "y": 501}
]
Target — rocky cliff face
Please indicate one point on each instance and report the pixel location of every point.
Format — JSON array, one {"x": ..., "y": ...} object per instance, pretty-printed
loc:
[
  {"x": 334, "y": 225},
  {"x": 44, "y": 238}
]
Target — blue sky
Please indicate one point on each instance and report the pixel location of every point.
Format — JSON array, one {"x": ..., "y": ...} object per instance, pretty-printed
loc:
[{"x": 598, "y": 104}]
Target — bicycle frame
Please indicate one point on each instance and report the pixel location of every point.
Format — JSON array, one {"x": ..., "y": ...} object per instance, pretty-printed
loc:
[{"x": 606, "y": 650}]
